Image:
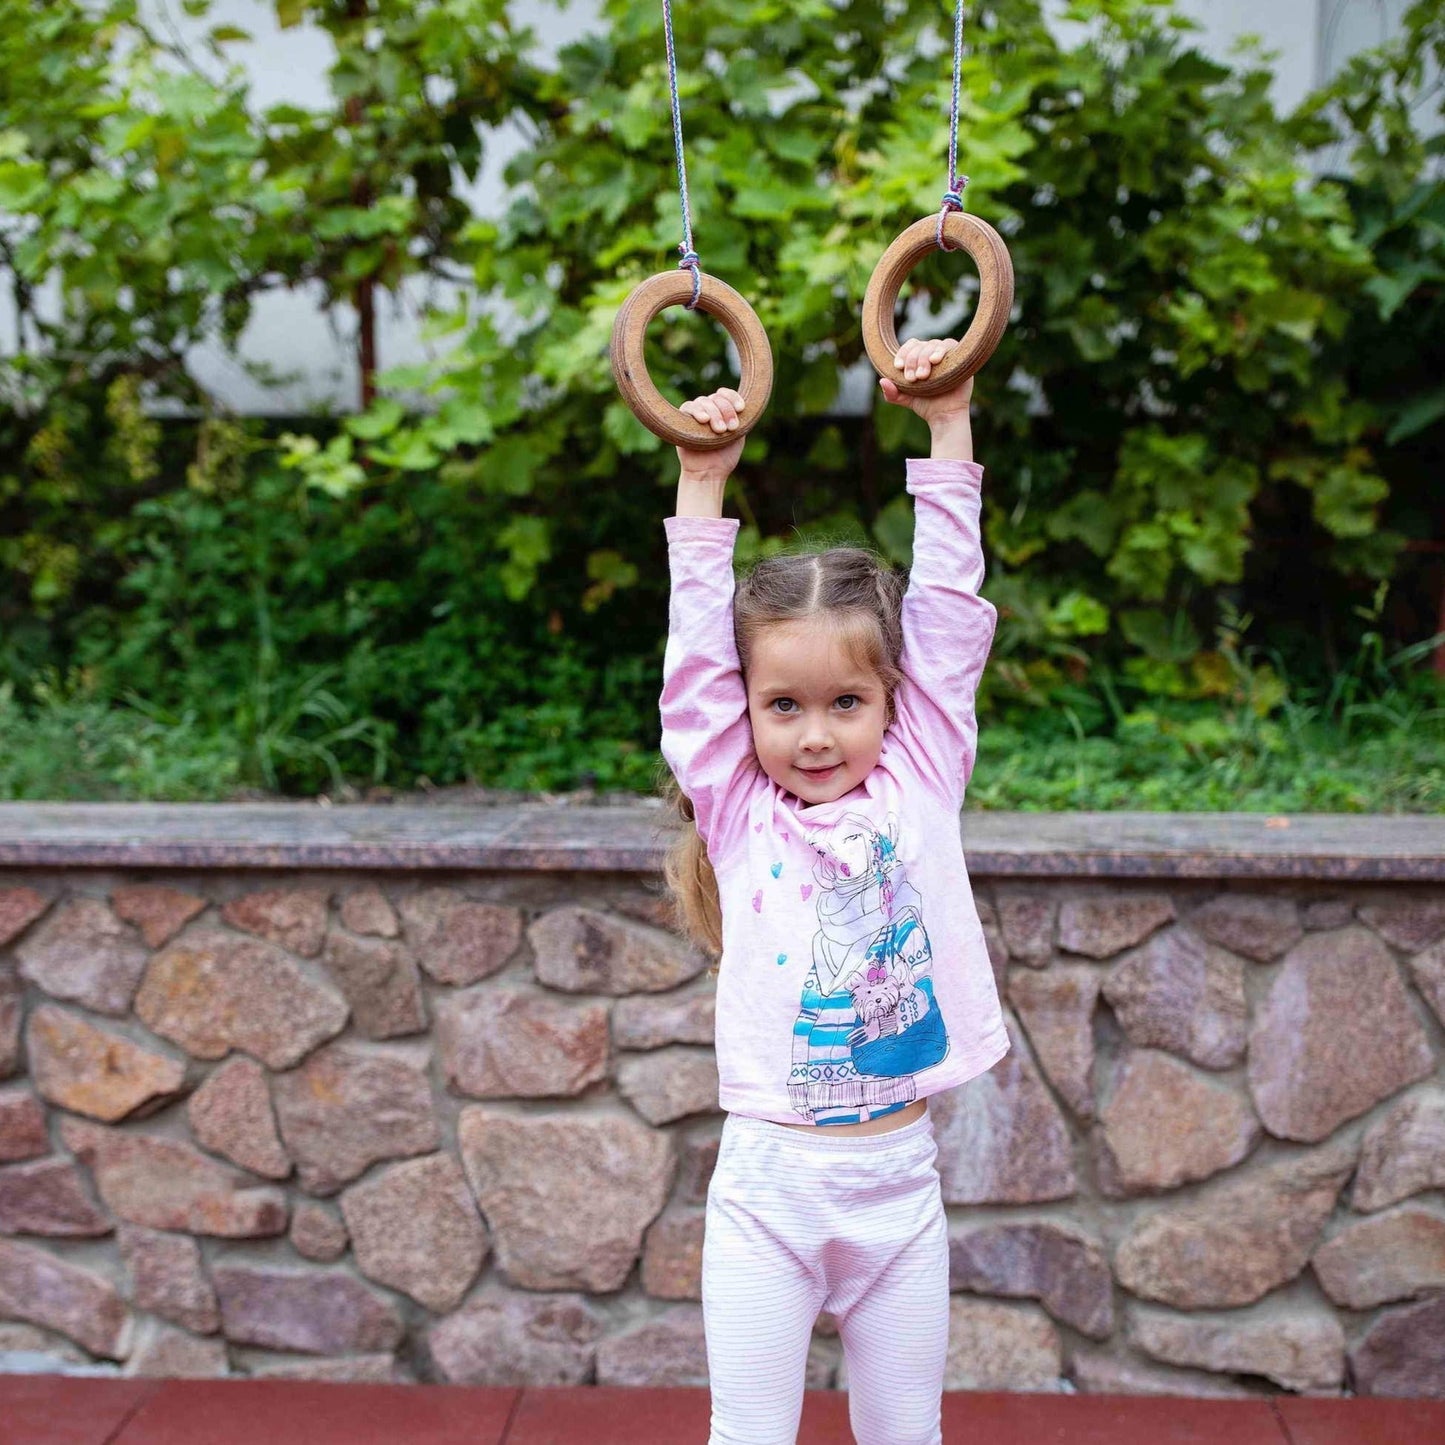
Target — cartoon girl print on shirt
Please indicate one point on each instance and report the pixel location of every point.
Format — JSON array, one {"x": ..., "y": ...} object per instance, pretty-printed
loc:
[{"x": 867, "y": 1021}]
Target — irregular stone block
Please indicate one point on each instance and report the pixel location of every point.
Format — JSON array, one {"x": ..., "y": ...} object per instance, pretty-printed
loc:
[
  {"x": 1063, "y": 1269},
  {"x": 168, "y": 1277},
  {"x": 699, "y": 1160},
  {"x": 42, "y": 1290},
  {"x": 457, "y": 941},
  {"x": 47, "y": 1196},
  {"x": 1165, "y": 1126},
  {"x": 1393, "y": 1256},
  {"x": 1001, "y": 1137},
  {"x": 1408, "y": 923},
  {"x": 1428, "y": 971},
  {"x": 1236, "y": 1239},
  {"x": 415, "y": 1227},
  {"x": 1100, "y": 927},
  {"x": 84, "y": 953},
  {"x": 582, "y": 951},
  {"x": 1301, "y": 1347},
  {"x": 348, "y": 1370},
  {"x": 1100, "y": 1371},
  {"x": 11, "y": 1007},
  {"x": 1402, "y": 1352},
  {"x": 823, "y": 1369},
  {"x": 994, "y": 942},
  {"x": 164, "y": 1352},
  {"x": 27, "y": 1340},
  {"x": 158, "y": 912},
  {"x": 294, "y": 918},
  {"x": 672, "y": 1256},
  {"x": 648, "y": 906},
  {"x": 1001, "y": 1347},
  {"x": 381, "y": 983},
  {"x": 313, "y": 1312},
  {"x": 1026, "y": 921},
  {"x": 231, "y": 1115},
  {"x": 95, "y": 1071},
  {"x": 22, "y": 1125},
  {"x": 212, "y": 992},
  {"x": 1328, "y": 913},
  {"x": 649, "y": 1023},
  {"x": 349, "y": 1105},
  {"x": 498, "y": 1042},
  {"x": 1249, "y": 924},
  {"x": 19, "y": 908},
  {"x": 669, "y": 1084},
  {"x": 169, "y": 1185},
  {"x": 368, "y": 911},
  {"x": 511, "y": 1339},
  {"x": 1335, "y": 1036},
  {"x": 668, "y": 1351},
  {"x": 603, "y": 1178},
  {"x": 317, "y": 1232},
  {"x": 1403, "y": 1152},
  {"x": 1057, "y": 1008},
  {"x": 1182, "y": 994}
]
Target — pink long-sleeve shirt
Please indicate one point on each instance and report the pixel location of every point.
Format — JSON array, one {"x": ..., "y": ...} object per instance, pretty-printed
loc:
[{"x": 854, "y": 975}]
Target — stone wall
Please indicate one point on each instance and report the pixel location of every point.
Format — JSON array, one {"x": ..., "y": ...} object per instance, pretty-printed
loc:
[{"x": 417, "y": 1123}]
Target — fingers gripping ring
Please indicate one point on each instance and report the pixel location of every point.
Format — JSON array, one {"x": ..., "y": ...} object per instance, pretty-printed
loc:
[
  {"x": 629, "y": 366},
  {"x": 990, "y": 319}
]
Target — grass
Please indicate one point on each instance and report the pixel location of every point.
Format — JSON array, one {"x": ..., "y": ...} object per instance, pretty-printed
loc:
[
  {"x": 1381, "y": 754},
  {"x": 1158, "y": 763}
]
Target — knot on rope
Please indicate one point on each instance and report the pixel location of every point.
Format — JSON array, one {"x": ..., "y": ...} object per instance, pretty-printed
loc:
[
  {"x": 952, "y": 201},
  {"x": 690, "y": 262}
]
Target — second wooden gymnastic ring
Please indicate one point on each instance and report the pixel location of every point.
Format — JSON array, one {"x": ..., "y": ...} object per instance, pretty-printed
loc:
[
  {"x": 629, "y": 366},
  {"x": 990, "y": 317}
]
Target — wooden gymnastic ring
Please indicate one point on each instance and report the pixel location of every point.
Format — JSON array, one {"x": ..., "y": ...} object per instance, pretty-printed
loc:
[
  {"x": 990, "y": 317},
  {"x": 629, "y": 366}
]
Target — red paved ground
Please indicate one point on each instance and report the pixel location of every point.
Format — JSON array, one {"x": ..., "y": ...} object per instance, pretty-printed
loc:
[{"x": 63, "y": 1410}]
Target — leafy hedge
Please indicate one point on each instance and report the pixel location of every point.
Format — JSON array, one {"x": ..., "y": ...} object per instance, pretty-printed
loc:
[{"x": 1223, "y": 394}]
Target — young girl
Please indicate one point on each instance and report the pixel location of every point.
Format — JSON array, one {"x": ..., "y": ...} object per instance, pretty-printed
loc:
[{"x": 819, "y": 722}]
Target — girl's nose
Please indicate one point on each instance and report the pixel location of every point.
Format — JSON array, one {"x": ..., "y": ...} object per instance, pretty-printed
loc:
[{"x": 817, "y": 738}]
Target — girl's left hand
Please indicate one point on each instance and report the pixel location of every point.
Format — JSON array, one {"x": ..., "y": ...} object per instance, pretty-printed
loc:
[
  {"x": 719, "y": 411},
  {"x": 916, "y": 360}
]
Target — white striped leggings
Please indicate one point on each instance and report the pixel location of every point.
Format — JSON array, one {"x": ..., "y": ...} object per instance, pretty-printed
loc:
[{"x": 800, "y": 1221}]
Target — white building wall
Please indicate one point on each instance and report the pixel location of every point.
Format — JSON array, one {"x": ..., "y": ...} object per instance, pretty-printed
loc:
[{"x": 289, "y": 332}]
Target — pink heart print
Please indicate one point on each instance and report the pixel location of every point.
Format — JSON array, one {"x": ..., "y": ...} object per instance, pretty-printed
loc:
[
  {"x": 758, "y": 901},
  {"x": 757, "y": 827},
  {"x": 784, "y": 837},
  {"x": 807, "y": 891}
]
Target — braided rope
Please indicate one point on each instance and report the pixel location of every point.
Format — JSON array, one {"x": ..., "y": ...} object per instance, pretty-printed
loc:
[
  {"x": 953, "y": 196},
  {"x": 689, "y": 260}
]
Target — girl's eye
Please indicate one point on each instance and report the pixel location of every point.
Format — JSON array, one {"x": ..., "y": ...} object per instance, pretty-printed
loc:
[
  {"x": 784, "y": 704},
  {"x": 848, "y": 702}
]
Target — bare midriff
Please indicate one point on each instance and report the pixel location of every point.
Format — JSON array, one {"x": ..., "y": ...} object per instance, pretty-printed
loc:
[{"x": 886, "y": 1124}]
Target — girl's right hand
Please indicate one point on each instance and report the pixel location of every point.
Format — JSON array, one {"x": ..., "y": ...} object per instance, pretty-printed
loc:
[
  {"x": 719, "y": 411},
  {"x": 916, "y": 360}
]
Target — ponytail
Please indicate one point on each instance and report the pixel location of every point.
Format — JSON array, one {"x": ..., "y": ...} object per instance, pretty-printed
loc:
[{"x": 691, "y": 882}]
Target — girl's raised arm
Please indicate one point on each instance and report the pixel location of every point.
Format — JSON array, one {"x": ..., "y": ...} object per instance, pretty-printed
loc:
[
  {"x": 707, "y": 740},
  {"x": 948, "y": 627}
]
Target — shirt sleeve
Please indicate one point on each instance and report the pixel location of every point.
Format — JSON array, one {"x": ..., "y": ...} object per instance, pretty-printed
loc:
[
  {"x": 707, "y": 739},
  {"x": 948, "y": 627}
]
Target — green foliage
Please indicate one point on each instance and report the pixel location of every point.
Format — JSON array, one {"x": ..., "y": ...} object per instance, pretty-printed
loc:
[{"x": 1220, "y": 397}]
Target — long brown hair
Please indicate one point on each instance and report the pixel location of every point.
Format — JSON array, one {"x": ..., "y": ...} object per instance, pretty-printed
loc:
[{"x": 852, "y": 590}]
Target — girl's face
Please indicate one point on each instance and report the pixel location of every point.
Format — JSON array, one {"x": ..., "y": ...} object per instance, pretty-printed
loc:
[{"x": 818, "y": 717}]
